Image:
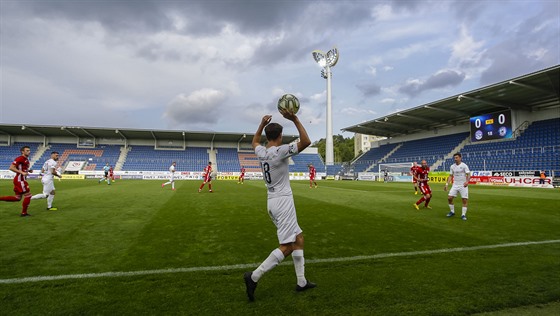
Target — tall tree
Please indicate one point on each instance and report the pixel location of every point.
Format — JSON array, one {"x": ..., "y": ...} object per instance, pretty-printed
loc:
[{"x": 343, "y": 148}]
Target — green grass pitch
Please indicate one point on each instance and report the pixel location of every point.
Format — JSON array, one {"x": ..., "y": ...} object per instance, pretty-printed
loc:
[{"x": 138, "y": 226}]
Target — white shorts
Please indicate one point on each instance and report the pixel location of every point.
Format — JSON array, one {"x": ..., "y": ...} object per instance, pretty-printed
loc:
[
  {"x": 464, "y": 191},
  {"x": 282, "y": 211},
  {"x": 48, "y": 185},
  {"x": 172, "y": 177}
]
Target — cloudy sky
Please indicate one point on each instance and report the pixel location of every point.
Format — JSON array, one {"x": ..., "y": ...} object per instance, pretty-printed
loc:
[{"x": 220, "y": 65}]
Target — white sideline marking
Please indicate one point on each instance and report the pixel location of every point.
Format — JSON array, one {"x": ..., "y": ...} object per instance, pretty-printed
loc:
[{"x": 252, "y": 265}]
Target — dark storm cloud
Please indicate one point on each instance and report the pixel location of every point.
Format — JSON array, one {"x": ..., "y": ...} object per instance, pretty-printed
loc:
[
  {"x": 533, "y": 46},
  {"x": 369, "y": 89},
  {"x": 439, "y": 80},
  {"x": 290, "y": 28}
]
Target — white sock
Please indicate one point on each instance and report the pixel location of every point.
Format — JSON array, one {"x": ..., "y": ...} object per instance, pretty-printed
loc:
[
  {"x": 173, "y": 185},
  {"x": 464, "y": 211},
  {"x": 50, "y": 199},
  {"x": 39, "y": 196},
  {"x": 166, "y": 183},
  {"x": 299, "y": 265},
  {"x": 452, "y": 208},
  {"x": 275, "y": 257}
]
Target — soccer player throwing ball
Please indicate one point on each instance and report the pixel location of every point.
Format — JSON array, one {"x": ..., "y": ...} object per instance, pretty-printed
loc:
[
  {"x": 274, "y": 159},
  {"x": 460, "y": 175},
  {"x": 421, "y": 177}
]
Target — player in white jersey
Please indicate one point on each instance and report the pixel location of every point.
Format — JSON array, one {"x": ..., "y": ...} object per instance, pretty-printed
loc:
[
  {"x": 460, "y": 175},
  {"x": 274, "y": 160},
  {"x": 49, "y": 171},
  {"x": 171, "y": 176}
]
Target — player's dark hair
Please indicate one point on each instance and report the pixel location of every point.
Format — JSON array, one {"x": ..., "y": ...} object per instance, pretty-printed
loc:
[
  {"x": 457, "y": 154},
  {"x": 55, "y": 152},
  {"x": 209, "y": 162},
  {"x": 22, "y": 148},
  {"x": 273, "y": 131}
]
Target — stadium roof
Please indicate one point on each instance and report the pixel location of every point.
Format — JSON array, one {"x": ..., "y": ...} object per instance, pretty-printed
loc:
[
  {"x": 533, "y": 92},
  {"x": 120, "y": 133}
]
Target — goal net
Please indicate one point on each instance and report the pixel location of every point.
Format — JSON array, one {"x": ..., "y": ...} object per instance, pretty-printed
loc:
[{"x": 389, "y": 171}]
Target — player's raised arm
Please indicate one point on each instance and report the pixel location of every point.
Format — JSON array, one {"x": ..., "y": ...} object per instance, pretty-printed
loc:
[
  {"x": 257, "y": 138},
  {"x": 304, "y": 140}
]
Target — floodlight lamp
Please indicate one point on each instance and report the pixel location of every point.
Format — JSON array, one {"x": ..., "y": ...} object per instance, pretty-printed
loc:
[
  {"x": 459, "y": 98},
  {"x": 62, "y": 128},
  {"x": 332, "y": 57},
  {"x": 116, "y": 131},
  {"x": 386, "y": 119},
  {"x": 22, "y": 127},
  {"x": 319, "y": 57}
]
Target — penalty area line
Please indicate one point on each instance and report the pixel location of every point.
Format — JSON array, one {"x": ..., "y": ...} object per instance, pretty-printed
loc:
[{"x": 252, "y": 265}]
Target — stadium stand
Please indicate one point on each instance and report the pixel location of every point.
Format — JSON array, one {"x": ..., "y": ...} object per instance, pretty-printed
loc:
[
  {"x": 96, "y": 158},
  {"x": 302, "y": 160},
  {"x": 146, "y": 158},
  {"x": 9, "y": 153},
  {"x": 249, "y": 160},
  {"x": 537, "y": 148},
  {"x": 429, "y": 149},
  {"x": 227, "y": 160},
  {"x": 372, "y": 157}
]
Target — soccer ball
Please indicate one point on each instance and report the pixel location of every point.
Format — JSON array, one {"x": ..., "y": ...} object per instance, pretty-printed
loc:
[{"x": 288, "y": 102}]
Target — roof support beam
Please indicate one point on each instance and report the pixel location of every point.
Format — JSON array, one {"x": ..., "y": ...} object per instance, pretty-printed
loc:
[
  {"x": 416, "y": 118},
  {"x": 532, "y": 87},
  {"x": 455, "y": 112},
  {"x": 393, "y": 124},
  {"x": 494, "y": 103},
  {"x": 378, "y": 131}
]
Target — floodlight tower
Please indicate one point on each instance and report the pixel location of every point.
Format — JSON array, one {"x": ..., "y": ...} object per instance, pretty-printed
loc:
[{"x": 327, "y": 61}]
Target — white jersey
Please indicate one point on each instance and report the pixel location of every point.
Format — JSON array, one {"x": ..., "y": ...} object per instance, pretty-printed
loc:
[
  {"x": 274, "y": 162},
  {"x": 48, "y": 166},
  {"x": 459, "y": 173},
  {"x": 172, "y": 169}
]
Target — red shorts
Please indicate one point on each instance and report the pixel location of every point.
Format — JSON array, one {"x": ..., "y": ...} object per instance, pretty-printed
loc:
[
  {"x": 311, "y": 178},
  {"x": 207, "y": 178},
  {"x": 20, "y": 187},
  {"x": 424, "y": 188}
]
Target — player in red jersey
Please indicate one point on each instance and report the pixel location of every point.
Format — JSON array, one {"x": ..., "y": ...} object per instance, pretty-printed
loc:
[
  {"x": 111, "y": 174},
  {"x": 413, "y": 170},
  {"x": 207, "y": 174},
  {"x": 21, "y": 167},
  {"x": 241, "y": 176},
  {"x": 422, "y": 179},
  {"x": 312, "y": 173}
]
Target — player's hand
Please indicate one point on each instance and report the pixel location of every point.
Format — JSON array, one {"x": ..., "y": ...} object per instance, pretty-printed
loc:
[
  {"x": 445, "y": 188},
  {"x": 30, "y": 171},
  {"x": 266, "y": 119},
  {"x": 288, "y": 114},
  {"x": 466, "y": 184}
]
